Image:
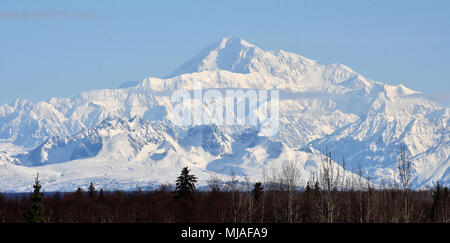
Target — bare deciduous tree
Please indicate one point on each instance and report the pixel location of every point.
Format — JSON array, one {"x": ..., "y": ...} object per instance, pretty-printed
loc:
[
  {"x": 214, "y": 183},
  {"x": 329, "y": 180},
  {"x": 404, "y": 170},
  {"x": 240, "y": 197},
  {"x": 290, "y": 173}
]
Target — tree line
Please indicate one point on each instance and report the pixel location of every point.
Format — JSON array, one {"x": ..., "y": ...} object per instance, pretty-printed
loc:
[{"x": 330, "y": 196}]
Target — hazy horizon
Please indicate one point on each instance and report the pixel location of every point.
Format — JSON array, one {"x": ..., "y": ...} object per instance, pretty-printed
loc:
[{"x": 59, "y": 49}]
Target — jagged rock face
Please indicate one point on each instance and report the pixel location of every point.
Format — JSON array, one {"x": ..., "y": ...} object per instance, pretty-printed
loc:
[
  {"x": 210, "y": 138},
  {"x": 321, "y": 106},
  {"x": 56, "y": 149},
  {"x": 89, "y": 142}
]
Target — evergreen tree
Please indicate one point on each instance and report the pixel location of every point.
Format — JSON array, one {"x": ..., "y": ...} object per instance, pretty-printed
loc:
[
  {"x": 258, "y": 190},
  {"x": 36, "y": 213},
  {"x": 101, "y": 194},
  {"x": 91, "y": 190},
  {"x": 436, "y": 201},
  {"x": 78, "y": 192},
  {"x": 439, "y": 207},
  {"x": 185, "y": 184},
  {"x": 308, "y": 189}
]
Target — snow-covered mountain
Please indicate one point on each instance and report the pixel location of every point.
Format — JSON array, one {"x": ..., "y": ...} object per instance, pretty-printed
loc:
[{"x": 122, "y": 138}]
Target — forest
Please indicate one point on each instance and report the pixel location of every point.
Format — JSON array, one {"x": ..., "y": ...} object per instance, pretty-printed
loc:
[{"x": 329, "y": 197}]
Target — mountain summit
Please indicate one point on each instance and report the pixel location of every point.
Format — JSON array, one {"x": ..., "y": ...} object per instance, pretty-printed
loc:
[
  {"x": 230, "y": 54},
  {"x": 239, "y": 56},
  {"x": 235, "y": 63}
]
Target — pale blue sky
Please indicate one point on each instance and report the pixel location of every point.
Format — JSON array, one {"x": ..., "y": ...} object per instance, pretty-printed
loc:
[{"x": 60, "y": 48}]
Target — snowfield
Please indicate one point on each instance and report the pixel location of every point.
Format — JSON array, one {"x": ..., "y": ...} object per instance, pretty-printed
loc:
[{"x": 122, "y": 138}]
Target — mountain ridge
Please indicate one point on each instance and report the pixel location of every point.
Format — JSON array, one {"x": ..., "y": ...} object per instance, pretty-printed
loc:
[{"x": 321, "y": 106}]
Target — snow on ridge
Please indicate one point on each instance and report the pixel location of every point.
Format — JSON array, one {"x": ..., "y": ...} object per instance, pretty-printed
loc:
[{"x": 122, "y": 136}]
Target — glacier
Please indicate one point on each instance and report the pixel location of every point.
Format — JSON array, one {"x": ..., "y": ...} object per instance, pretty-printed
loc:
[{"x": 122, "y": 138}]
